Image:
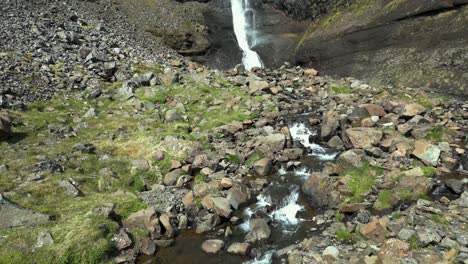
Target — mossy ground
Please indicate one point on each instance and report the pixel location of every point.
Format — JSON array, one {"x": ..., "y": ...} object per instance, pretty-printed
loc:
[
  {"x": 49, "y": 130},
  {"x": 362, "y": 179}
]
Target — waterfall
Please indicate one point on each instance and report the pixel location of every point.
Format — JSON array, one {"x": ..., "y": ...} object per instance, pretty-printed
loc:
[
  {"x": 300, "y": 133},
  {"x": 243, "y": 19}
]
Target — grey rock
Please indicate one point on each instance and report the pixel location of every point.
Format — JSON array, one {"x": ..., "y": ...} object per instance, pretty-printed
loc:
[
  {"x": 70, "y": 189},
  {"x": 428, "y": 236},
  {"x": 263, "y": 166},
  {"x": 259, "y": 231},
  {"x": 212, "y": 246},
  {"x": 12, "y": 215},
  {"x": 172, "y": 115},
  {"x": 44, "y": 239},
  {"x": 239, "y": 248}
]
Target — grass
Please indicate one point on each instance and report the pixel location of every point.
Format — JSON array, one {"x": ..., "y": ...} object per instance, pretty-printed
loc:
[
  {"x": 339, "y": 216},
  {"x": 199, "y": 179},
  {"x": 384, "y": 198},
  {"x": 396, "y": 215},
  {"x": 413, "y": 242},
  {"x": 429, "y": 171},
  {"x": 344, "y": 235},
  {"x": 233, "y": 158},
  {"x": 439, "y": 220},
  {"x": 342, "y": 89},
  {"x": 436, "y": 134},
  {"x": 362, "y": 179},
  {"x": 407, "y": 195}
]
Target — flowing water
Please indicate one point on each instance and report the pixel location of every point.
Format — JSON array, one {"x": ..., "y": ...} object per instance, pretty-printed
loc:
[
  {"x": 291, "y": 217},
  {"x": 243, "y": 18}
]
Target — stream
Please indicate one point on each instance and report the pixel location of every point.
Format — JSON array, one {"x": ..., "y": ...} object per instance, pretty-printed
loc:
[{"x": 281, "y": 201}]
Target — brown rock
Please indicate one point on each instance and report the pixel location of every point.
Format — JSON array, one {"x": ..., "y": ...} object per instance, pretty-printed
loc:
[
  {"x": 393, "y": 251},
  {"x": 311, "y": 72},
  {"x": 212, "y": 246},
  {"x": 322, "y": 190},
  {"x": 330, "y": 123},
  {"x": 362, "y": 137},
  {"x": 239, "y": 248},
  {"x": 375, "y": 230},
  {"x": 411, "y": 110},
  {"x": 263, "y": 166},
  {"x": 218, "y": 205}
]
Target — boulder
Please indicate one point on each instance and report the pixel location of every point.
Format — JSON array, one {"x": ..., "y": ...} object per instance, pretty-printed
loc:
[
  {"x": 5, "y": 126},
  {"x": 321, "y": 188},
  {"x": 271, "y": 143},
  {"x": 212, "y": 246},
  {"x": 172, "y": 115},
  {"x": 330, "y": 123},
  {"x": 165, "y": 221},
  {"x": 239, "y": 194},
  {"x": 330, "y": 254},
  {"x": 263, "y": 166},
  {"x": 351, "y": 158},
  {"x": 426, "y": 152},
  {"x": 44, "y": 239},
  {"x": 121, "y": 240},
  {"x": 375, "y": 230},
  {"x": 374, "y": 110},
  {"x": 259, "y": 231},
  {"x": 393, "y": 251},
  {"x": 70, "y": 189},
  {"x": 218, "y": 205},
  {"x": 417, "y": 185},
  {"x": 12, "y": 215},
  {"x": 144, "y": 219},
  {"x": 171, "y": 178},
  {"x": 256, "y": 86},
  {"x": 239, "y": 248},
  {"x": 364, "y": 137},
  {"x": 207, "y": 223},
  {"x": 411, "y": 110}
]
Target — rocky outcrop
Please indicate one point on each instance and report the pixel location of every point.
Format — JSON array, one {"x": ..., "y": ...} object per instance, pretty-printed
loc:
[{"x": 12, "y": 215}]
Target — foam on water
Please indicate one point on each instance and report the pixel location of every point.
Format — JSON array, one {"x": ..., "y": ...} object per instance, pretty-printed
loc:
[
  {"x": 300, "y": 133},
  {"x": 265, "y": 259},
  {"x": 286, "y": 214}
]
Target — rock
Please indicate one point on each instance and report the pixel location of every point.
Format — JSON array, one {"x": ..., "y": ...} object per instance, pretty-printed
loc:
[
  {"x": 406, "y": 233},
  {"x": 330, "y": 123},
  {"x": 457, "y": 186},
  {"x": 147, "y": 246},
  {"x": 172, "y": 115},
  {"x": 417, "y": 185},
  {"x": 90, "y": 113},
  {"x": 183, "y": 222},
  {"x": 105, "y": 210},
  {"x": 393, "y": 251},
  {"x": 411, "y": 110},
  {"x": 271, "y": 143},
  {"x": 376, "y": 230},
  {"x": 207, "y": 223},
  {"x": 232, "y": 128},
  {"x": 259, "y": 231},
  {"x": 70, "y": 189},
  {"x": 363, "y": 137},
  {"x": 12, "y": 215},
  {"x": 121, "y": 240},
  {"x": 140, "y": 165},
  {"x": 169, "y": 78},
  {"x": 336, "y": 143},
  {"x": 256, "y": 86},
  {"x": 226, "y": 183},
  {"x": 311, "y": 72},
  {"x": 44, "y": 239},
  {"x": 145, "y": 219},
  {"x": 218, "y": 205},
  {"x": 239, "y": 194},
  {"x": 463, "y": 200},
  {"x": 239, "y": 248},
  {"x": 321, "y": 189},
  {"x": 449, "y": 243},
  {"x": 212, "y": 246},
  {"x": 171, "y": 178},
  {"x": 374, "y": 110},
  {"x": 351, "y": 158},
  {"x": 428, "y": 236},
  {"x": 164, "y": 243},
  {"x": 165, "y": 220},
  {"x": 263, "y": 166},
  {"x": 330, "y": 254},
  {"x": 203, "y": 189},
  {"x": 293, "y": 153},
  {"x": 426, "y": 152}
]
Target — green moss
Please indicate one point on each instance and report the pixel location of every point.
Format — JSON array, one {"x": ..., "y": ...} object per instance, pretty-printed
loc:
[
  {"x": 339, "y": 216},
  {"x": 407, "y": 195},
  {"x": 384, "y": 199},
  {"x": 233, "y": 158},
  {"x": 130, "y": 207},
  {"x": 362, "y": 179},
  {"x": 439, "y": 220},
  {"x": 429, "y": 171},
  {"x": 342, "y": 89},
  {"x": 198, "y": 202},
  {"x": 436, "y": 134},
  {"x": 200, "y": 178},
  {"x": 396, "y": 215},
  {"x": 413, "y": 242},
  {"x": 144, "y": 68},
  {"x": 344, "y": 235}
]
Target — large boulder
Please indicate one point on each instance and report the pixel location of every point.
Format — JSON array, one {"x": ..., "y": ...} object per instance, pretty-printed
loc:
[
  {"x": 238, "y": 194},
  {"x": 12, "y": 215},
  {"x": 5, "y": 126},
  {"x": 417, "y": 185},
  {"x": 144, "y": 219},
  {"x": 411, "y": 110},
  {"x": 330, "y": 123},
  {"x": 376, "y": 230},
  {"x": 426, "y": 152},
  {"x": 212, "y": 246},
  {"x": 364, "y": 137},
  {"x": 351, "y": 158},
  {"x": 393, "y": 251},
  {"x": 271, "y": 143},
  {"x": 322, "y": 190},
  {"x": 263, "y": 166},
  {"x": 259, "y": 231},
  {"x": 218, "y": 205}
]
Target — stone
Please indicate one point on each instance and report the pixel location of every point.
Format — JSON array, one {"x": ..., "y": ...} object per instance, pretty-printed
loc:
[
  {"x": 172, "y": 115},
  {"x": 336, "y": 143},
  {"x": 374, "y": 110},
  {"x": 449, "y": 243},
  {"x": 320, "y": 187},
  {"x": 330, "y": 254},
  {"x": 393, "y": 251},
  {"x": 411, "y": 110},
  {"x": 406, "y": 233},
  {"x": 145, "y": 219},
  {"x": 417, "y": 185},
  {"x": 227, "y": 183},
  {"x": 164, "y": 243},
  {"x": 207, "y": 223},
  {"x": 311, "y": 72},
  {"x": 212, "y": 246},
  {"x": 70, "y": 189},
  {"x": 271, "y": 143},
  {"x": 147, "y": 246},
  {"x": 165, "y": 220},
  {"x": 256, "y": 86},
  {"x": 330, "y": 123},
  {"x": 375, "y": 230},
  {"x": 44, "y": 239},
  {"x": 259, "y": 231},
  {"x": 169, "y": 78},
  {"x": 218, "y": 205},
  {"x": 239, "y": 248},
  {"x": 105, "y": 210},
  {"x": 428, "y": 236},
  {"x": 238, "y": 195},
  {"x": 140, "y": 165},
  {"x": 232, "y": 127},
  {"x": 121, "y": 240},
  {"x": 12, "y": 215},
  {"x": 457, "y": 186},
  {"x": 203, "y": 189},
  {"x": 351, "y": 158},
  {"x": 263, "y": 166},
  {"x": 363, "y": 137},
  {"x": 171, "y": 178}
]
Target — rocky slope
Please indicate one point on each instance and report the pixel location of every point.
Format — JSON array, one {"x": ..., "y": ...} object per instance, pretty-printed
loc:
[{"x": 135, "y": 147}]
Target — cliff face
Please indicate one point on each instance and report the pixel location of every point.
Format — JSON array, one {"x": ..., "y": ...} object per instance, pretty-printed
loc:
[{"x": 400, "y": 42}]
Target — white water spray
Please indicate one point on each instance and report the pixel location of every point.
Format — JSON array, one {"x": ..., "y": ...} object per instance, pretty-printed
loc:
[
  {"x": 299, "y": 132},
  {"x": 243, "y": 18},
  {"x": 290, "y": 207}
]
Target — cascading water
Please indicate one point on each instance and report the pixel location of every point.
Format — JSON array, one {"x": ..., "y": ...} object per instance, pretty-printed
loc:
[
  {"x": 243, "y": 18},
  {"x": 300, "y": 133}
]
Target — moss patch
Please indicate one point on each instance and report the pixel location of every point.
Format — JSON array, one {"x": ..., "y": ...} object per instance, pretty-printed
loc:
[
  {"x": 342, "y": 89},
  {"x": 362, "y": 179}
]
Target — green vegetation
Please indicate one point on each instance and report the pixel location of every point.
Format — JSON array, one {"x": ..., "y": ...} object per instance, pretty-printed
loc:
[
  {"x": 339, "y": 216},
  {"x": 342, "y": 89},
  {"x": 429, "y": 171},
  {"x": 396, "y": 215},
  {"x": 362, "y": 179},
  {"x": 199, "y": 179},
  {"x": 439, "y": 220},
  {"x": 233, "y": 158},
  {"x": 256, "y": 156},
  {"x": 436, "y": 134},
  {"x": 413, "y": 242},
  {"x": 384, "y": 198},
  {"x": 407, "y": 195},
  {"x": 344, "y": 235}
]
